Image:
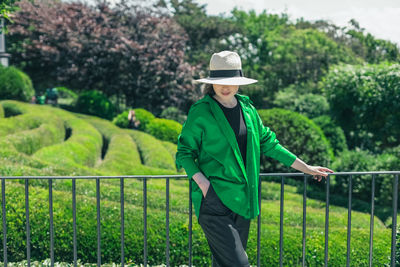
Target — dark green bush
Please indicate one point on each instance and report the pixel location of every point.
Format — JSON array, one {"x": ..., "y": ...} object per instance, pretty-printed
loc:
[
  {"x": 364, "y": 100},
  {"x": 95, "y": 103},
  {"x": 163, "y": 129},
  {"x": 299, "y": 135},
  {"x": 15, "y": 84},
  {"x": 173, "y": 113},
  {"x": 332, "y": 132}
]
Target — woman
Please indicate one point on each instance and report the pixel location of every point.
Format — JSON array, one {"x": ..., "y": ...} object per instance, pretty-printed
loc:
[{"x": 220, "y": 147}]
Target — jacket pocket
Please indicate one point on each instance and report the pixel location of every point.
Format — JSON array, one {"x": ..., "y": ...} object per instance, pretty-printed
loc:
[{"x": 213, "y": 205}]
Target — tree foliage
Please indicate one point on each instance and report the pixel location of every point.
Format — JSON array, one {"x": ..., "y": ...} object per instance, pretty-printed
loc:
[
  {"x": 365, "y": 101},
  {"x": 125, "y": 51}
]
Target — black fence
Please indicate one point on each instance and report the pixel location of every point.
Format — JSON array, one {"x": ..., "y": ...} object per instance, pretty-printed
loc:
[{"x": 168, "y": 177}]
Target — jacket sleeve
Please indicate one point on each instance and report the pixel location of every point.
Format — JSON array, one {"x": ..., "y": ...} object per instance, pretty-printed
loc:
[
  {"x": 189, "y": 142},
  {"x": 270, "y": 146}
]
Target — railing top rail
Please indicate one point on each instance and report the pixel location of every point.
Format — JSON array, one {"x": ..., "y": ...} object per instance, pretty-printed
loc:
[{"x": 185, "y": 176}]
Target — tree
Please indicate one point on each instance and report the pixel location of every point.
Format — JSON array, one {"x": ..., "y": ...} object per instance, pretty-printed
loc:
[{"x": 126, "y": 52}]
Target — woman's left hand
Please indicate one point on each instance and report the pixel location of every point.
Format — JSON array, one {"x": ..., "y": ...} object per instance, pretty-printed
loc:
[{"x": 318, "y": 172}]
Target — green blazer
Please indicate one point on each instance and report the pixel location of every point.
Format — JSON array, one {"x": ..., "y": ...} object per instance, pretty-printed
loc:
[{"x": 208, "y": 144}]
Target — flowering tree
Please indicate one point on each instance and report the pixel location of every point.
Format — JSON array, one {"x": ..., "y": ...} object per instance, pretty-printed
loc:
[{"x": 128, "y": 52}]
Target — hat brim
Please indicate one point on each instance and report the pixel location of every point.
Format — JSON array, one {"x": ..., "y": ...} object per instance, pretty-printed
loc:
[{"x": 227, "y": 80}]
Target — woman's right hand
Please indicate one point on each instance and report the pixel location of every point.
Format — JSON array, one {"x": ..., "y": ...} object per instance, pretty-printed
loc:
[{"x": 202, "y": 182}]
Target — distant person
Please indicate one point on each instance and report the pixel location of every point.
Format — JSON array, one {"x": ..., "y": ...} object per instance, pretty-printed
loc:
[
  {"x": 133, "y": 121},
  {"x": 33, "y": 100},
  {"x": 220, "y": 147}
]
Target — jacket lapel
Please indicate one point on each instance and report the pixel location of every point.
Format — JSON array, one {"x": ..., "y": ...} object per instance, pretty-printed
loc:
[{"x": 228, "y": 132}]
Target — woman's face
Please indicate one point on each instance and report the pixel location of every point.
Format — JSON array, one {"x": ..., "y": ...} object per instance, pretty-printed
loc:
[{"x": 225, "y": 92}]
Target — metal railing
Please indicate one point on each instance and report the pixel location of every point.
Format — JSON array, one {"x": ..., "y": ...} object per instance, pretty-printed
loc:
[{"x": 168, "y": 177}]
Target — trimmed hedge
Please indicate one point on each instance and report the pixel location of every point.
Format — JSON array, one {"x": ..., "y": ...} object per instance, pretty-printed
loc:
[
  {"x": 30, "y": 141},
  {"x": 127, "y": 147},
  {"x": 83, "y": 147},
  {"x": 153, "y": 153},
  {"x": 164, "y": 129},
  {"x": 15, "y": 84}
]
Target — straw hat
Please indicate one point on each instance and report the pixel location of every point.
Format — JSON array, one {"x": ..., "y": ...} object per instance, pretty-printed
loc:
[{"x": 226, "y": 68}]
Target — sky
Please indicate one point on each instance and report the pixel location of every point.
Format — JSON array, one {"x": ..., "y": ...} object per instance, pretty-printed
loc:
[{"x": 380, "y": 18}]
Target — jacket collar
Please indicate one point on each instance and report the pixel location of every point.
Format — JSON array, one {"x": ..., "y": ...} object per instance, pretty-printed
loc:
[{"x": 227, "y": 129}]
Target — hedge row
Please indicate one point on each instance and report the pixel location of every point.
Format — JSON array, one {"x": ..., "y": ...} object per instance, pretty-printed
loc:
[
  {"x": 83, "y": 147},
  {"x": 30, "y": 141},
  {"x": 153, "y": 152},
  {"x": 130, "y": 149}
]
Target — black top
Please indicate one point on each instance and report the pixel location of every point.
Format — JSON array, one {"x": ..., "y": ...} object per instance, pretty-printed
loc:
[{"x": 238, "y": 126}]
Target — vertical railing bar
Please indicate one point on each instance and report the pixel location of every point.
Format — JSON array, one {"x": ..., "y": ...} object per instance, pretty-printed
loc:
[
  {"x": 350, "y": 186},
  {"x": 51, "y": 221},
  {"x": 304, "y": 219},
  {"x": 190, "y": 222},
  {"x": 167, "y": 222},
  {"x": 3, "y": 203},
  {"x": 98, "y": 222},
  {"x": 74, "y": 220},
  {"x": 145, "y": 221},
  {"x": 394, "y": 220},
  {"x": 371, "y": 223},
  {"x": 259, "y": 225},
  {"x": 28, "y": 230},
  {"x": 281, "y": 224},
  {"x": 122, "y": 222},
  {"x": 326, "y": 221}
]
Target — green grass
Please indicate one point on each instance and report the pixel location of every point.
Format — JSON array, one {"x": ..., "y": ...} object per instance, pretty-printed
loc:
[{"x": 97, "y": 147}]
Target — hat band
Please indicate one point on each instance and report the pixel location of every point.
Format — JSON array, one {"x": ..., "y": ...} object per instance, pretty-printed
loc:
[{"x": 225, "y": 73}]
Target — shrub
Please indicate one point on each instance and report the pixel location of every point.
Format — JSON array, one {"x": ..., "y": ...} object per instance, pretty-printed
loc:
[
  {"x": 173, "y": 113},
  {"x": 29, "y": 141},
  {"x": 163, "y": 129},
  {"x": 121, "y": 120},
  {"x": 364, "y": 100},
  {"x": 83, "y": 147},
  {"x": 309, "y": 105},
  {"x": 12, "y": 108},
  {"x": 143, "y": 116},
  {"x": 15, "y": 84},
  {"x": 153, "y": 153},
  {"x": 363, "y": 160},
  {"x": 66, "y": 96},
  {"x": 95, "y": 103},
  {"x": 332, "y": 132},
  {"x": 299, "y": 134},
  {"x": 1, "y": 111}
]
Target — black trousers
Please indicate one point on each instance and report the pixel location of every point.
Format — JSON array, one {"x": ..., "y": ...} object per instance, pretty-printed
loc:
[{"x": 226, "y": 232}]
